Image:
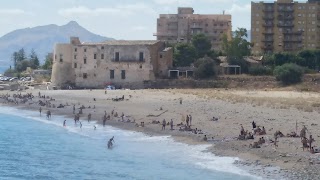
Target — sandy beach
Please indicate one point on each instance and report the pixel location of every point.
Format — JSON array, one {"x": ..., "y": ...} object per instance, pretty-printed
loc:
[{"x": 275, "y": 110}]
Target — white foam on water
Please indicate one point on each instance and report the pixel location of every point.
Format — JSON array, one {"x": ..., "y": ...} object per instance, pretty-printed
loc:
[{"x": 196, "y": 154}]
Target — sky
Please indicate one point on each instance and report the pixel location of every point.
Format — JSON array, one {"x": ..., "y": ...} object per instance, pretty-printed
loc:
[{"x": 119, "y": 19}]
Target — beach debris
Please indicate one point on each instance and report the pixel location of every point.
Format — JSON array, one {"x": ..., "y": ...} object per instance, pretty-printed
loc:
[{"x": 151, "y": 115}]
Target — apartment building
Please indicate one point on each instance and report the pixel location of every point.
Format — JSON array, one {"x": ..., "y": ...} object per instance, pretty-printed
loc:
[
  {"x": 285, "y": 25},
  {"x": 121, "y": 63},
  {"x": 181, "y": 27}
]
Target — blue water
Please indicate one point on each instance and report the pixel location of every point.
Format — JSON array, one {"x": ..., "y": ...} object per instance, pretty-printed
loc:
[{"x": 32, "y": 147}]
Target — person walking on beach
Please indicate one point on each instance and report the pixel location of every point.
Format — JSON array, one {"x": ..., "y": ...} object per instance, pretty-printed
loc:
[
  {"x": 253, "y": 125},
  {"x": 187, "y": 120},
  {"x": 89, "y": 117},
  {"x": 171, "y": 124},
  {"x": 48, "y": 114},
  {"x": 40, "y": 109},
  {"x": 190, "y": 119},
  {"x": 311, "y": 140},
  {"x": 74, "y": 109},
  {"x": 64, "y": 123},
  {"x": 163, "y": 124},
  {"x": 104, "y": 120}
]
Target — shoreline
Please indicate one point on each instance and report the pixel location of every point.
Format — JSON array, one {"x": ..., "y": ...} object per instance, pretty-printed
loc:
[{"x": 217, "y": 148}]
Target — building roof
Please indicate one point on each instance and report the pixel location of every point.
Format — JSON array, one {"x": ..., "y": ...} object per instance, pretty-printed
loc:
[{"x": 123, "y": 42}]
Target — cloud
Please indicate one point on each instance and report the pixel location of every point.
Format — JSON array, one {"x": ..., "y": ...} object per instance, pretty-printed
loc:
[
  {"x": 189, "y": 2},
  {"x": 12, "y": 12},
  {"x": 119, "y": 10},
  {"x": 240, "y": 9},
  {"x": 139, "y": 28}
]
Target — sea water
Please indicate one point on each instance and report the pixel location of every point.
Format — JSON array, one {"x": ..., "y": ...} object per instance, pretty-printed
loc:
[{"x": 32, "y": 147}]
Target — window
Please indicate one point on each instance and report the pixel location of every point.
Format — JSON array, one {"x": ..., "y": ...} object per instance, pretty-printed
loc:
[
  {"x": 95, "y": 56},
  {"x": 111, "y": 74},
  {"x": 102, "y": 56},
  {"x": 85, "y": 49},
  {"x": 75, "y": 57},
  {"x": 123, "y": 74},
  {"x": 117, "y": 56},
  {"x": 75, "y": 65},
  {"x": 85, "y": 61},
  {"x": 141, "y": 58},
  {"x": 85, "y": 76},
  {"x": 75, "y": 49},
  {"x": 61, "y": 58}
]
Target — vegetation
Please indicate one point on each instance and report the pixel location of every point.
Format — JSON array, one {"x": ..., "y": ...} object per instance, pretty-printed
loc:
[
  {"x": 288, "y": 73},
  {"x": 21, "y": 62},
  {"x": 205, "y": 68},
  {"x": 186, "y": 54},
  {"x": 260, "y": 70},
  {"x": 48, "y": 62},
  {"x": 237, "y": 48}
]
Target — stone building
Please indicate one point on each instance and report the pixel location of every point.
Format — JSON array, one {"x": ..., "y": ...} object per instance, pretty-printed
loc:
[
  {"x": 122, "y": 63},
  {"x": 181, "y": 27},
  {"x": 285, "y": 25}
]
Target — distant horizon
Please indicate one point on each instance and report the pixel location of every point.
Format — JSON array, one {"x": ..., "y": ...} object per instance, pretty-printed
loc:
[{"x": 125, "y": 20}]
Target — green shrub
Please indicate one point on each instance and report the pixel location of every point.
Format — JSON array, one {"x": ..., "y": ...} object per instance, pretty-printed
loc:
[
  {"x": 288, "y": 73},
  {"x": 260, "y": 70},
  {"x": 205, "y": 68}
]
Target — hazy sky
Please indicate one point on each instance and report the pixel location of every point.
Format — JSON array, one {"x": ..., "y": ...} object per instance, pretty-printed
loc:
[{"x": 120, "y": 19}]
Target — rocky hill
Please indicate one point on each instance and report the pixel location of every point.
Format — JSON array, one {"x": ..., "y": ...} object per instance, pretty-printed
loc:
[{"x": 42, "y": 40}]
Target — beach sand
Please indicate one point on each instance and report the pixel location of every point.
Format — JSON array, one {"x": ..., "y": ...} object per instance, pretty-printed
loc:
[{"x": 275, "y": 110}]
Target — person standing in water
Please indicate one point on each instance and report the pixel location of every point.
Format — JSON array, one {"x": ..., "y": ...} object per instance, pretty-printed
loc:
[
  {"x": 110, "y": 144},
  {"x": 40, "y": 110},
  {"x": 64, "y": 123},
  {"x": 80, "y": 124}
]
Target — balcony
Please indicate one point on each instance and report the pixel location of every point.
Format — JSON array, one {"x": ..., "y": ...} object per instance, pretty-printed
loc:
[
  {"x": 292, "y": 40},
  {"x": 268, "y": 25},
  {"x": 268, "y": 10},
  {"x": 267, "y": 47},
  {"x": 285, "y": 17},
  {"x": 285, "y": 25},
  {"x": 293, "y": 33},
  {"x": 197, "y": 26},
  {"x": 268, "y": 18},
  {"x": 267, "y": 40},
  {"x": 285, "y": 9},
  {"x": 268, "y": 33}
]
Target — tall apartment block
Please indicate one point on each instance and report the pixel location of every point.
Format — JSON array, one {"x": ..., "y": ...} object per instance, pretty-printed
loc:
[
  {"x": 285, "y": 25},
  {"x": 181, "y": 27}
]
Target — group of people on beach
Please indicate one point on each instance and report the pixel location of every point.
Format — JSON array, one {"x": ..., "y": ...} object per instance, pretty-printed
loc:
[{"x": 256, "y": 131}]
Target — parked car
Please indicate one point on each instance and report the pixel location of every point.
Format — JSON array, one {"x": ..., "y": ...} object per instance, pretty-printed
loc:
[{"x": 13, "y": 79}]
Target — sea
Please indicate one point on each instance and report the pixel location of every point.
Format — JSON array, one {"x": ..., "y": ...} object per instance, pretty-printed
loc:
[{"x": 32, "y": 147}]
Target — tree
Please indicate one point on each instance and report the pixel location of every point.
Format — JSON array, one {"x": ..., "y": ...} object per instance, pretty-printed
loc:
[
  {"x": 288, "y": 73},
  {"x": 184, "y": 54},
  {"x": 48, "y": 62},
  {"x": 237, "y": 48},
  {"x": 21, "y": 55},
  {"x": 202, "y": 45},
  {"x": 205, "y": 68},
  {"x": 15, "y": 58},
  {"x": 22, "y": 65},
  {"x": 34, "y": 60}
]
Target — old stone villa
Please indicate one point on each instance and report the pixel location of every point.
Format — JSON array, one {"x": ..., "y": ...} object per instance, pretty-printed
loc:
[{"x": 122, "y": 63}]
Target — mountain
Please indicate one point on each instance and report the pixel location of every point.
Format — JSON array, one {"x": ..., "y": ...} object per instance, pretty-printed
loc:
[{"x": 42, "y": 40}]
